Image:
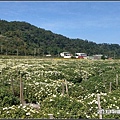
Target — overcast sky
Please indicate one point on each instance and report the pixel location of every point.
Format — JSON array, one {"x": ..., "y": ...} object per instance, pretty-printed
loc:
[{"x": 95, "y": 21}]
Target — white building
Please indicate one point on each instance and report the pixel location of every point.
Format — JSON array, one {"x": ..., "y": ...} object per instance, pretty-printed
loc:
[
  {"x": 65, "y": 55},
  {"x": 81, "y": 55},
  {"x": 99, "y": 56}
]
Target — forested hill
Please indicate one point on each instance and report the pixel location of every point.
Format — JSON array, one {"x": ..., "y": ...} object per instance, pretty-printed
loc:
[{"x": 26, "y": 39}]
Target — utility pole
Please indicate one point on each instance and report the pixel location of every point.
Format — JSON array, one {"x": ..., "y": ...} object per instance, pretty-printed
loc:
[
  {"x": 6, "y": 51},
  {"x": 114, "y": 54},
  {"x": 17, "y": 51},
  {"x": 34, "y": 52},
  {"x": 38, "y": 51},
  {"x": 43, "y": 53},
  {"x": 25, "y": 49},
  {"x": 58, "y": 53},
  {"x": 1, "y": 49}
]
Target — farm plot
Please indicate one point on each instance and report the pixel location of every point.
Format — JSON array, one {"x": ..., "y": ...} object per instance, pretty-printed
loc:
[{"x": 64, "y": 88}]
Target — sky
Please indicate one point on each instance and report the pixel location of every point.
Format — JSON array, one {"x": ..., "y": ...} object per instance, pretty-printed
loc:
[{"x": 88, "y": 20}]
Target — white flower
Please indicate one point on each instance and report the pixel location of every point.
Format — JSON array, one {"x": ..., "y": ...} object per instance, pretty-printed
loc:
[
  {"x": 24, "y": 106},
  {"x": 37, "y": 83},
  {"x": 46, "y": 80},
  {"x": 33, "y": 111},
  {"x": 7, "y": 112},
  {"x": 28, "y": 108},
  {"x": 51, "y": 99},
  {"x": 114, "y": 98},
  {"x": 5, "y": 108},
  {"x": 117, "y": 107},
  {"x": 104, "y": 100},
  {"x": 18, "y": 106},
  {"x": 87, "y": 116},
  {"x": 21, "y": 105},
  {"x": 54, "y": 95},
  {"x": 90, "y": 109},
  {"x": 96, "y": 102},
  {"x": 92, "y": 94},
  {"x": 113, "y": 104},
  {"x": 67, "y": 113},
  {"x": 28, "y": 113}
]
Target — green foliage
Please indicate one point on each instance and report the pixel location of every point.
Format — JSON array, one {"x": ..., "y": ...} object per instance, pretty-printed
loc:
[
  {"x": 44, "y": 81},
  {"x": 21, "y": 38},
  {"x": 59, "y": 105}
]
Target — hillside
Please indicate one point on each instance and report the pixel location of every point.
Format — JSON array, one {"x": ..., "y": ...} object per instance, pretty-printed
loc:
[{"x": 26, "y": 39}]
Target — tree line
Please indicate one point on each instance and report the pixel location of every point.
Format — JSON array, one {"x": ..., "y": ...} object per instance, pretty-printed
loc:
[{"x": 22, "y": 38}]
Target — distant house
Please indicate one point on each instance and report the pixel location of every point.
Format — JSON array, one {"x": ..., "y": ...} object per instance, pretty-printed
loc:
[
  {"x": 65, "y": 55},
  {"x": 99, "y": 56},
  {"x": 48, "y": 55},
  {"x": 81, "y": 55}
]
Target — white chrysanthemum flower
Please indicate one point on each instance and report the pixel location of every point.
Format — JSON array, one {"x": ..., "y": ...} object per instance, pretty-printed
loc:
[
  {"x": 96, "y": 102},
  {"x": 5, "y": 108},
  {"x": 51, "y": 100},
  {"x": 87, "y": 116},
  {"x": 54, "y": 95},
  {"x": 24, "y": 106},
  {"x": 28, "y": 113},
  {"x": 113, "y": 105},
  {"x": 67, "y": 113},
  {"x": 114, "y": 98},
  {"x": 117, "y": 107},
  {"x": 37, "y": 83},
  {"x": 104, "y": 100},
  {"x": 18, "y": 106},
  {"x": 33, "y": 111},
  {"x": 7, "y": 112}
]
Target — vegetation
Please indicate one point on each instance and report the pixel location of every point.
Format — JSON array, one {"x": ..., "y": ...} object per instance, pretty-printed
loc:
[
  {"x": 21, "y": 38},
  {"x": 46, "y": 81}
]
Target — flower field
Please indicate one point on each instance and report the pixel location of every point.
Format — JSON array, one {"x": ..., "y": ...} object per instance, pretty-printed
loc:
[{"x": 66, "y": 88}]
